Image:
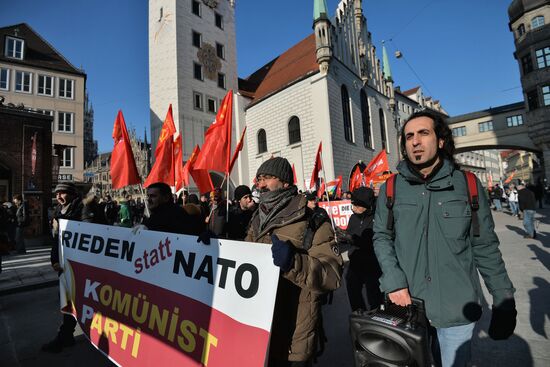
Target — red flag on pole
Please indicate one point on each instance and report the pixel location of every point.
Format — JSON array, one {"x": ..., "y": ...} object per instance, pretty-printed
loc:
[
  {"x": 216, "y": 150},
  {"x": 200, "y": 176},
  {"x": 376, "y": 166},
  {"x": 238, "y": 148},
  {"x": 123, "y": 166},
  {"x": 356, "y": 179},
  {"x": 339, "y": 187},
  {"x": 178, "y": 162},
  {"x": 163, "y": 169},
  {"x": 294, "y": 179},
  {"x": 317, "y": 167},
  {"x": 321, "y": 190}
]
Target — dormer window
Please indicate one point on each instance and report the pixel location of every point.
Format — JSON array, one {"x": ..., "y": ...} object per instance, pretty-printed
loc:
[
  {"x": 537, "y": 22},
  {"x": 14, "y": 48}
]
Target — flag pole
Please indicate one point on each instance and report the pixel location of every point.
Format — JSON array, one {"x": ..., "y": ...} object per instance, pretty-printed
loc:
[
  {"x": 227, "y": 201},
  {"x": 144, "y": 200},
  {"x": 328, "y": 195}
]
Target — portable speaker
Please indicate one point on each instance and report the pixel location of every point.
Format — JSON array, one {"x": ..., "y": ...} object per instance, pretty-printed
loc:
[{"x": 391, "y": 336}]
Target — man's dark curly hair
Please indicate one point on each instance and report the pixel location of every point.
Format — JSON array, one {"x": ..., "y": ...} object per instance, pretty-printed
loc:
[{"x": 442, "y": 131}]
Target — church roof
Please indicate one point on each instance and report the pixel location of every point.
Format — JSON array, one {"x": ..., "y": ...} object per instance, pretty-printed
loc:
[
  {"x": 408, "y": 92},
  {"x": 37, "y": 52},
  {"x": 293, "y": 65}
]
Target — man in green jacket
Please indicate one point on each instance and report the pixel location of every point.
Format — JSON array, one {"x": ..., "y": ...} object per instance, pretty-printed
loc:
[{"x": 432, "y": 252}]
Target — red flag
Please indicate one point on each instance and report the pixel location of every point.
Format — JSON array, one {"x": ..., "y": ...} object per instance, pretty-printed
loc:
[
  {"x": 376, "y": 166},
  {"x": 163, "y": 169},
  {"x": 510, "y": 178},
  {"x": 123, "y": 167},
  {"x": 200, "y": 176},
  {"x": 339, "y": 187},
  {"x": 321, "y": 190},
  {"x": 318, "y": 166},
  {"x": 178, "y": 162},
  {"x": 216, "y": 150},
  {"x": 356, "y": 179},
  {"x": 294, "y": 179},
  {"x": 238, "y": 148}
]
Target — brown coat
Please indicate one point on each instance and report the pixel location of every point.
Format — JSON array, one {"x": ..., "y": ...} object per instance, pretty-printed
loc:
[{"x": 294, "y": 334}]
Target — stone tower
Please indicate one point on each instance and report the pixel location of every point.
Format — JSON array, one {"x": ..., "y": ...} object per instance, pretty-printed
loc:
[{"x": 323, "y": 42}]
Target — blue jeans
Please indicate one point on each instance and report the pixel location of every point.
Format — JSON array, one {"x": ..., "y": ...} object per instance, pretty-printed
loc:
[
  {"x": 529, "y": 222},
  {"x": 455, "y": 344},
  {"x": 514, "y": 207},
  {"x": 498, "y": 204}
]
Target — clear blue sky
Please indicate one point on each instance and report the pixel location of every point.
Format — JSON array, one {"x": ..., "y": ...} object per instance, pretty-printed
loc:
[{"x": 461, "y": 50}]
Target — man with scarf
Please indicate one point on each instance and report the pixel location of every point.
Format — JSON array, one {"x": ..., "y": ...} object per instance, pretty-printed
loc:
[{"x": 309, "y": 260}]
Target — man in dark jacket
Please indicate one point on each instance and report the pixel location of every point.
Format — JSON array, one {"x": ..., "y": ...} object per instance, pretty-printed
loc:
[
  {"x": 527, "y": 202},
  {"x": 21, "y": 218},
  {"x": 363, "y": 268},
  {"x": 166, "y": 216},
  {"x": 496, "y": 196},
  {"x": 69, "y": 207},
  {"x": 217, "y": 217},
  {"x": 309, "y": 260},
  {"x": 433, "y": 251},
  {"x": 240, "y": 213}
]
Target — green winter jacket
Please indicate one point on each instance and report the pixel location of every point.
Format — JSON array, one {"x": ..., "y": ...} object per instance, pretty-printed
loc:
[
  {"x": 125, "y": 215},
  {"x": 432, "y": 250}
]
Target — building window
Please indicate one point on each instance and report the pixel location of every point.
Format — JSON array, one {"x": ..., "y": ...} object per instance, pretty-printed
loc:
[
  {"x": 513, "y": 121},
  {"x": 196, "y": 7},
  {"x": 526, "y": 64},
  {"x": 262, "y": 141},
  {"x": 197, "y": 101},
  {"x": 220, "y": 51},
  {"x": 294, "y": 130},
  {"x": 221, "y": 80},
  {"x": 197, "y": 39},
  {"x": 14, "y": 48},
  {"x": 197, "y": 71},
  {"x": 4, "y": 79},
  {"x": 543, "y": 57},
  {"x": 346, "y": 114},
  {"x": 459, "y": 131},
  {"x": 212, "y": 105},
  {"x": 365, "y": 118},
  {"x": 521, "y": 30},
  {"x": 546, "y": 95},
  {"x": 533, "y": 100},
  {"x": 537, "y": 22},
  {"x": 65, "y": 122},
  {"x": 66, "y": 159},
  {"x": 219, "y": 20},
  {"x": 485, "y": 126},
  {"x": 45, "y": 85},
  {"x": 66, "y": 87},
  {"x": 383, "y": 129},
  {"x": 23, "y": 81}
]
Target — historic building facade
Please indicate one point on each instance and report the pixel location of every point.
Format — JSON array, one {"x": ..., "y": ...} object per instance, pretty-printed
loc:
[{"x": 36, "y": 75}]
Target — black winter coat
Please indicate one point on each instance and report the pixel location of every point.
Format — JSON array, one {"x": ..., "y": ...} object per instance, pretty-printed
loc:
[
  {"x": 239, "y": 219},
  {"x": 360, "y": 229},
  {"x": 170, "y": 218},
  {"x": 526, "y": 200},
  {"x": 73, "y": 212}
]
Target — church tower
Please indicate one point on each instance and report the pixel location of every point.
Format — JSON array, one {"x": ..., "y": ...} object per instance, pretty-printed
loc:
[
  {"x": 388, "y": 79},
  {"x": 322, "y": 28}
]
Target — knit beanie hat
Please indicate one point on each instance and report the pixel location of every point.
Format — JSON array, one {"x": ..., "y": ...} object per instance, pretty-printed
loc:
[
  {"x": 278, "y": 167},
  {"x": 363, "y": 196},
  {"x": 241, "y": 191},
  {"x": 68, "y": 187}
]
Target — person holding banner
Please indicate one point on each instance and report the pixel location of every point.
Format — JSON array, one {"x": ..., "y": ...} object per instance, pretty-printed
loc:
[
  {"x": 309, "y": 260},
  {"x": 363, "y": 268}
]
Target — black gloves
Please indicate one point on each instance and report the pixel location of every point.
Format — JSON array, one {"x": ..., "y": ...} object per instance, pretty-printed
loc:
[
  {"x": 503, "y": 320},
  {"x": 283, "y": 253},
  {"x": 205, "y": 237}
]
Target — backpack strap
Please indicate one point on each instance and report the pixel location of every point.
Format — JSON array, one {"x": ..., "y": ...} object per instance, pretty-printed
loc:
[
  {"x": 390, "y": 199},
  {"x": 473, "y": 198}
]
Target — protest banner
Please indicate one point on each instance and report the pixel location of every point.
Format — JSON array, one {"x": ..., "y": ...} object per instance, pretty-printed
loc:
[
  {"x": 340, "y": 211},
  {"x": 156, "y": 298}
]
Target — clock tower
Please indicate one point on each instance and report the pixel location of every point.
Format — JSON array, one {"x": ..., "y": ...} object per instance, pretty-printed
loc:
[{"x": 192, "y": 64}]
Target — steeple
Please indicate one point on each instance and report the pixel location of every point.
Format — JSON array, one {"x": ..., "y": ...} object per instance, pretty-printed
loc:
[
  {"x": 322, "y": 29},
  {"x": 386, "y": 62}
]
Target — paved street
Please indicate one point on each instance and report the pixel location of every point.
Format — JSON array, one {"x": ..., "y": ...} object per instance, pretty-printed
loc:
[{"x": 28, "y": 318}]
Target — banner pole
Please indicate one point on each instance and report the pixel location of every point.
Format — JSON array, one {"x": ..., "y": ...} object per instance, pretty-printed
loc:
[
  {"x": 147, "y": 213},
  {"x": 328, "y": 195},
  {"x": 227, "y": 201}
]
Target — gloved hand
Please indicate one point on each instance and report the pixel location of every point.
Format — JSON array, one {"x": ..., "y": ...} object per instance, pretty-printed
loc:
[
  {"x": 503, "y": 320},
  {"x": 283, "y": 253},
  {"x": 205, "y": 237}
]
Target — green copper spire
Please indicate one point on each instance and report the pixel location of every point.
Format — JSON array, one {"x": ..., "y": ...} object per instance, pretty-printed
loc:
[
  {"x": 386, "y": 64},
  {"x": 320, "y": 9}
]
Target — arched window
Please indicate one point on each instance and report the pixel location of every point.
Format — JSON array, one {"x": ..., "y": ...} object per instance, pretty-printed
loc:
[
  {"x": 262, "y": 141},
  {"x": 365, "y": 117},
  {"x": 346, "y": 114},
  {"x": 294, "y": 130},
  {"x": 537, "y": 22},
  {"x": 383, "y": 129}
]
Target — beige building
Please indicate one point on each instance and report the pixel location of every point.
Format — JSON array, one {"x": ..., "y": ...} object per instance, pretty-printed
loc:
[
  {"x": 525, "y": 166},
  {"x": 36, "y": 75}
]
